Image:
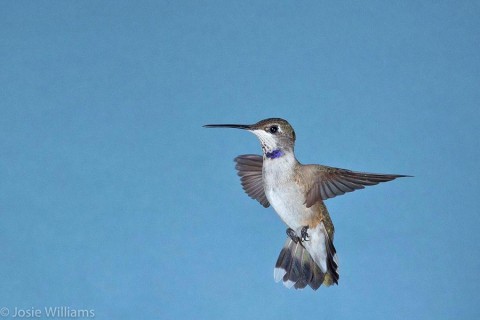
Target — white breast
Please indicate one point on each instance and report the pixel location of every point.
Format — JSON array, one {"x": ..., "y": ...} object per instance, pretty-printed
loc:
[
  {"x": 288, "y": 200},
  {"x": 282, "y": 191}
]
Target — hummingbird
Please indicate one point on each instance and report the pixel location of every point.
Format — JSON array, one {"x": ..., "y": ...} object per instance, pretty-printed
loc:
[{"x": 297, "y": 193}]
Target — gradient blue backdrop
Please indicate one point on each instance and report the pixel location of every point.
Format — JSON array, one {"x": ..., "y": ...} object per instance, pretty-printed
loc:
[{"x": 114, "y": 198}]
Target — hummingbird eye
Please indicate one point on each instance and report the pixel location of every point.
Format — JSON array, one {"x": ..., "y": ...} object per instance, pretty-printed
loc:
[{"x": 273, "y": 129}]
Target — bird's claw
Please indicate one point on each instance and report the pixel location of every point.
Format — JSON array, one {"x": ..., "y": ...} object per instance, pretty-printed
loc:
[
  {"x": 291, "y": 233},
  {"x": 303, "y": 235}
]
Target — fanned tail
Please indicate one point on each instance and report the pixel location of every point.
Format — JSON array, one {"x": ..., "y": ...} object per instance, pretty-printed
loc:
[{"x": 296, "y": 267}]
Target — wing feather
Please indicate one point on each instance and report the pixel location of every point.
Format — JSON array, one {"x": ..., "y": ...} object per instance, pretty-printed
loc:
[
  {"x": 249, "y": 167},
  {"x": 324, "y": 182}
]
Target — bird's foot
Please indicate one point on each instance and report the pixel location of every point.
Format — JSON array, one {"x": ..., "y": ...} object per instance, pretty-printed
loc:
[
  {"x": 293, "y": 235},
  {"x": 304, "y": 234}
]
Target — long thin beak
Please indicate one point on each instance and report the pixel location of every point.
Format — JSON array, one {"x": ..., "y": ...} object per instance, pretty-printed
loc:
[{"x": 235, "y": 126}]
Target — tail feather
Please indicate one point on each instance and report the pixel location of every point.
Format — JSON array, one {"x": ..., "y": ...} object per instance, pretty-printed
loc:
[
  {"x": 296, "y": 267},
  {"x": 332, "y": 262},
  {"x": 317, "y": 277},
  {"x": 295, "y": 272},
  {"x": 284, "y": 262},
  {"x": 305, "y": 269}
]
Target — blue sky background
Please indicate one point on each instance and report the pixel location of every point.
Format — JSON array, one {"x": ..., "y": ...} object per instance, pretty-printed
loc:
[{"x": 114, "y": 198}]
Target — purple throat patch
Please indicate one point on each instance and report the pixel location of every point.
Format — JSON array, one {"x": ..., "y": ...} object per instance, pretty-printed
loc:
[{"x": 274, "y": 154}]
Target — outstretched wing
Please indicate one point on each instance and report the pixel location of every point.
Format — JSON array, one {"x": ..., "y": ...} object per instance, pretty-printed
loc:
[
  {"x": 249, "y": 167},
  {"x": 327, "y": 182}
]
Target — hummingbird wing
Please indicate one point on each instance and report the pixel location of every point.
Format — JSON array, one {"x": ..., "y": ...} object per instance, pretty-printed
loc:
[
  {"x": 249, "y": 167},
  {"x": 327, "y": 182}
]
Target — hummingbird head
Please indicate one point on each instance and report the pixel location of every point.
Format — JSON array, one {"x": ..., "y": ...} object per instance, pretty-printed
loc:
[{"x": 276, "y": 135}]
